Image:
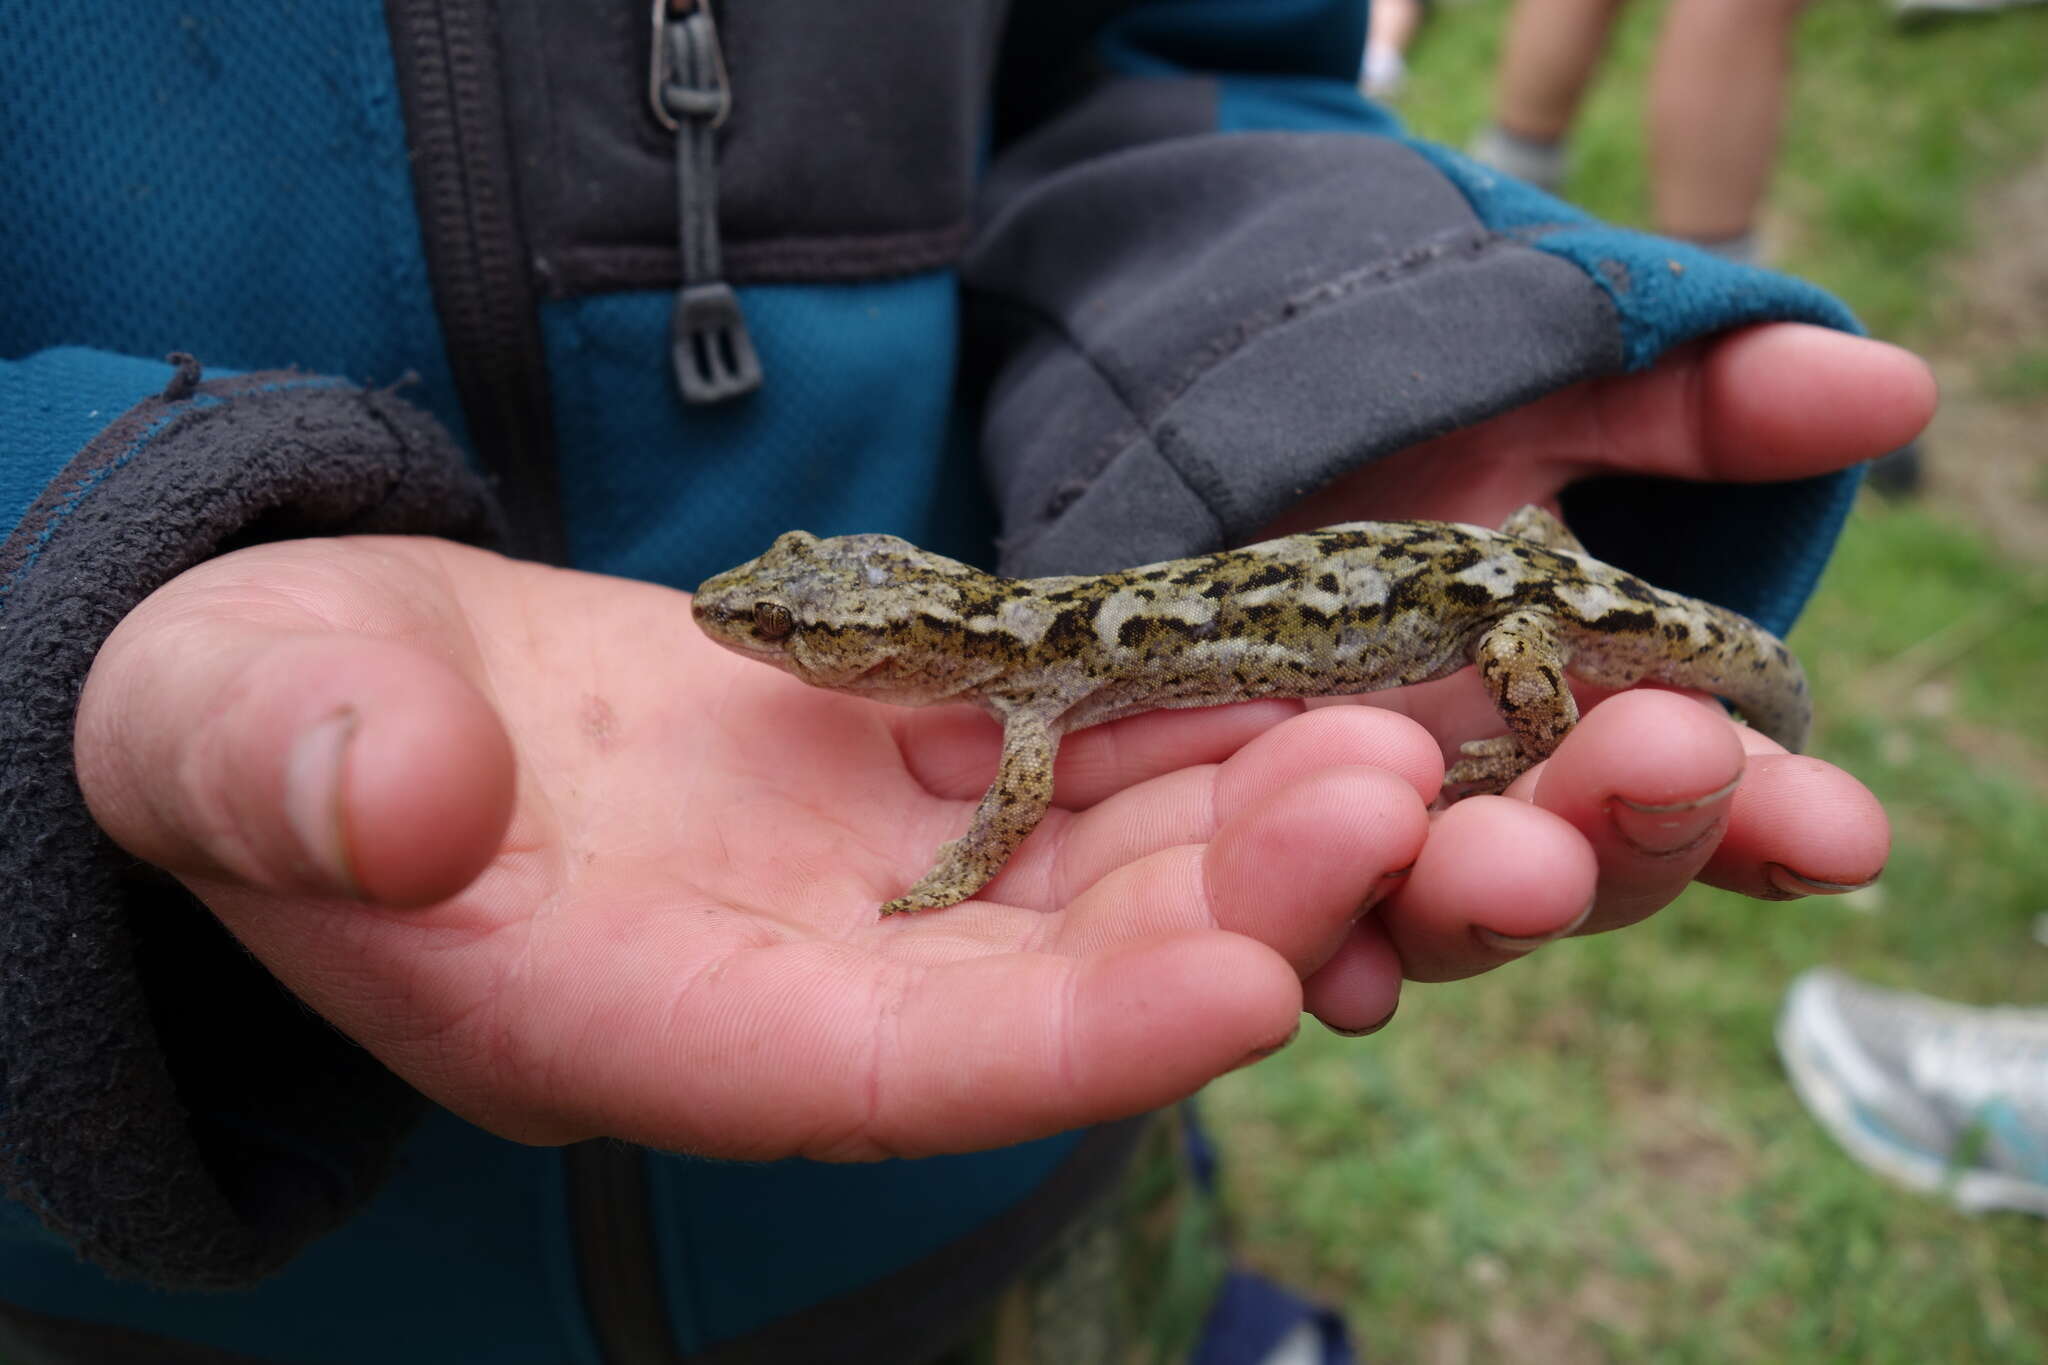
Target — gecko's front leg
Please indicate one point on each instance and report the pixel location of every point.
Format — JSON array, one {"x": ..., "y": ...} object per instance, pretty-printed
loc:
[
  {"x": 1010, "y": 809},
  {"x": 1521, "y": 660}
]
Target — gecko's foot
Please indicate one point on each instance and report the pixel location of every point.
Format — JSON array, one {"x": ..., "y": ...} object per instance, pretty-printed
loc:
[{"x": 1487, "y": 767}]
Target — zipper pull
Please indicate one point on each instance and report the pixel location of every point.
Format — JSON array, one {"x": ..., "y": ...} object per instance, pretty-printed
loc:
[{"x": 709, "y": 346}]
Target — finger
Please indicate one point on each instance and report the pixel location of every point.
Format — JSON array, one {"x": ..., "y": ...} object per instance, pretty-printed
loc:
[
  {"x": 820, "y": 1050},
  {"x": 1497, "y": 879},
  {"x": 1292, "y": 866},
  {"x": 1085, "y": 1040},
  {"x": 1357, "y": 991},
  {"x": 1648, "y": 777},
  {"x": 1299, "y": 828},
  {"x": 1292, "y": 870},
  {"x": 952, "y": 751},
  {"x": 1779, "y": 401},
  {"x": 1799, "y": 827},
  {"x": 293, "y": 761},
  {"x": 1296, "y": 868}
]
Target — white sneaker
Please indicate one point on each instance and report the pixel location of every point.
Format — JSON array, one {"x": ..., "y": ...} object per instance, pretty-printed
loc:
[
  {"x": 1383, "y": 73},
  {"x": 1942, "y": 1097},
  {"x": 1542, "y": 164}
]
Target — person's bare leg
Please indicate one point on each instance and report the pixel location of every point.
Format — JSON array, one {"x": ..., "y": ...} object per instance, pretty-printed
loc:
[
  {"x": 1548, "y": 59},
  {"x": 1717, "y": 100},
  {"x": 1393, "y": 23}
]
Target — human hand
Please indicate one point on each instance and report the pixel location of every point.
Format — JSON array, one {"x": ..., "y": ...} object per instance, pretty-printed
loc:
[
  {"x": 648, "y": 868},
  {"x": 1653, "y": 788},
  {"x": 571, "y": 869}
]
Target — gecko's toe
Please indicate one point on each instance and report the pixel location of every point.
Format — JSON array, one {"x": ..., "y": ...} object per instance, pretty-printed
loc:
[{"x": 1487, "y": 767}]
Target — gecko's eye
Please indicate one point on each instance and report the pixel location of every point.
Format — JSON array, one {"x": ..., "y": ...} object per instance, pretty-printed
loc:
[{"x": 772, "y": 621}]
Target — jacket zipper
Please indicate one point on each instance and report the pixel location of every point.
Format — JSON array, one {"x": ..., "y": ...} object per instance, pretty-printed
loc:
[
  {"x": 709, "y": 346},
  {"x": 447, "y": 60},
  {"x": 449, "y": 79},
  {"x": 611, "y": 1221}
]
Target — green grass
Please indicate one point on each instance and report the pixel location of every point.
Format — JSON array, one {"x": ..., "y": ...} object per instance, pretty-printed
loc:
[
  {"x": 2018, "y": 377},
  {"x": 1594, "y": 1155}
]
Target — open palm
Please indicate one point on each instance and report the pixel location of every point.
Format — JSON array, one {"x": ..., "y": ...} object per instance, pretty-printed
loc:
[
  {"x": 672, "y": 934},
  {"x": 571, "y": 870}
]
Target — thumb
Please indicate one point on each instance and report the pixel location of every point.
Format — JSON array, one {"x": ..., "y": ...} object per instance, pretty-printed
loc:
[{"x": 305, "y": 761}]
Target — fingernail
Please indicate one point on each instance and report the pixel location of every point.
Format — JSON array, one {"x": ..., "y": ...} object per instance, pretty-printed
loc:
[
  {"x": 1667, "y": 830},
  {"x": 312, "y": 799},
  {"x": 1513, "y": 943},
  {"x": 1368, "y": 1029},
  {"x": 1260, "y": 1054},
  {"x": 1791, "y": 886},
  {"x": 1385, "y": 887}
]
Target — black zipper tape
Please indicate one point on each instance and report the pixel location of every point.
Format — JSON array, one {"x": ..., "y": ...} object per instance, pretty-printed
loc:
[
  {"x": 448, "y": 76},
  {"x": 616, "y": 1259}
]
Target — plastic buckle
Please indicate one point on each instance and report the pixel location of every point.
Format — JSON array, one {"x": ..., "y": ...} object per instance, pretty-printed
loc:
[{"x": 713, "y": 355}]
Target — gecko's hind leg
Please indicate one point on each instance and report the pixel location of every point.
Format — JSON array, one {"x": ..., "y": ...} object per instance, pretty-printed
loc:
[
  {"x": 1010, "y": 809},
  {"x": 1521, "y": 661}
]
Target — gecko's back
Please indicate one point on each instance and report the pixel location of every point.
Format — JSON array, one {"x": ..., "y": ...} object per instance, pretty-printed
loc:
[{"x": 1359, "y": 607}]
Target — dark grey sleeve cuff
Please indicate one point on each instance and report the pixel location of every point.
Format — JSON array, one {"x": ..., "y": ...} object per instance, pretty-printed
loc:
[
  {"x": 169, "y": 1109},
  {"x": 1186, "y": 334}
]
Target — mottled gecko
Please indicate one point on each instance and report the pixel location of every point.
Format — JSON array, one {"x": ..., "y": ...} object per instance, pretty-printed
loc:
[{"x": 1347, "y": 609}]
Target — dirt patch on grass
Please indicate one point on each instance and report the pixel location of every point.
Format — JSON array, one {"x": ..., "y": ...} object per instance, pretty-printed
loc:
[{"x": 1986, "y": 455}]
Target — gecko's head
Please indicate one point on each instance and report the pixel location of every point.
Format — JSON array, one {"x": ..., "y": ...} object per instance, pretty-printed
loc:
[
  {"x": 836, "y": 612},
  {"x": 752, "y": 610}
]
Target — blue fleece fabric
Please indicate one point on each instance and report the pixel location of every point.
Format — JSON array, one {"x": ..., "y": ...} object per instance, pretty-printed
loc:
[
  {"x": 130, "y": 104},
  {"x": 745, "y": 1245},
  {"x": 464, "y": 1256},
  {"x": 51, "y": 404},
  {"x": 853, "y": 430}
]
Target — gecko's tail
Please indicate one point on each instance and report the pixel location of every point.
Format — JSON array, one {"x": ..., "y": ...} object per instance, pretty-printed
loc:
[{"x": 1753, "y": 670}]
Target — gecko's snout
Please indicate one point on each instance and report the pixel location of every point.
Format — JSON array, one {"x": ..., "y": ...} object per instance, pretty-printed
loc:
[{"x": 714, "y": 615}]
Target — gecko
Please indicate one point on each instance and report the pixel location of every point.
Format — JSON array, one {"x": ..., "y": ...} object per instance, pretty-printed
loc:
[{"x": 1342, "y": 610}]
